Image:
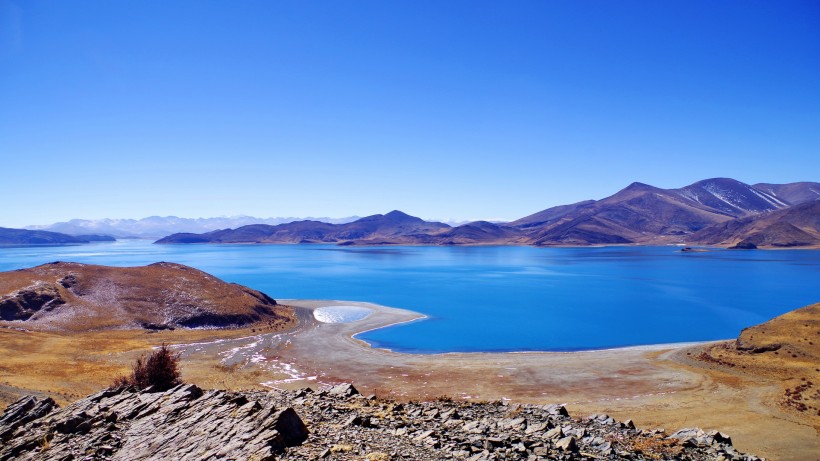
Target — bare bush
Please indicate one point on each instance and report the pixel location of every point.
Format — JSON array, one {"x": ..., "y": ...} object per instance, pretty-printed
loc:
[{"x": 158, "y": 370}]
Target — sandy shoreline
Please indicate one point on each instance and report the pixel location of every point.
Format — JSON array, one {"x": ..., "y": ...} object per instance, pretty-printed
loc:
[
  {"x": 385, "y": 317},
  {"x": 332, "y": 352},
  {"x": 655, "y": 385}
]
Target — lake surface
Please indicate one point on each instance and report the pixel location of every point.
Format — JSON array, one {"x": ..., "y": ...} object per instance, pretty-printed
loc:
[{"x": 502, "y": 298}]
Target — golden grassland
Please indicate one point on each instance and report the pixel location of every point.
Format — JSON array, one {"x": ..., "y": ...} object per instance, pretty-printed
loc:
[
  {"x": 69, "y": 366},
  {"x": 784, "y": 350}
]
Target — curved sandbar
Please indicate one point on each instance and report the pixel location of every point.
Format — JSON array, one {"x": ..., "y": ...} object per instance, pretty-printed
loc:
[
  {"x": 332, "y": 351},
  {"x": 656, "y": 385}
]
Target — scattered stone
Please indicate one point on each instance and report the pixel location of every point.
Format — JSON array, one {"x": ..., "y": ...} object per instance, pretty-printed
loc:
[
  {"x": 567, "y": 444},
  {"x": 343, "y": 390},
  {"x": 554, "y": 433},
  {"x": 187, "y": 423}
]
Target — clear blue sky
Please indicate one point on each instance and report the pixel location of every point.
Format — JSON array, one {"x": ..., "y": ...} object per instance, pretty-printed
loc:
[{"x": 443, "y": 109}]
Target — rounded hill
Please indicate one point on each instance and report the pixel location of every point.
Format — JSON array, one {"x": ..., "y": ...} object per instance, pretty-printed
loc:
[{"x": 82, "y": 297}]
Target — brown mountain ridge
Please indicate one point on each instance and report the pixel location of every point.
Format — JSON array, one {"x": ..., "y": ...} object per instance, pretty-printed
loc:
[
  {"x": 718, "y": 211},
  {"x": 790, "y": 227}
]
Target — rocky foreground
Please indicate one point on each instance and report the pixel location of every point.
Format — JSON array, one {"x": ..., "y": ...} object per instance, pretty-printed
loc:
[{"x": 187, "y": 423}]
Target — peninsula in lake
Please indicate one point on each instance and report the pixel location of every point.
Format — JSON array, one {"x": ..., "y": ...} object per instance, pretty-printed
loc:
[{"x": 720, "y": 211}]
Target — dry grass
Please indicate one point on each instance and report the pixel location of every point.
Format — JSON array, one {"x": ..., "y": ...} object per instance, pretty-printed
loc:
[
  {"x": 785, "y": 350},
  {"x": 67, "y": 367}
]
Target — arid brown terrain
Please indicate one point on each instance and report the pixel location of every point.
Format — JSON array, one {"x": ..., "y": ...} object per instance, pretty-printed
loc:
[
  {"x": 785, "y": 350},
  {"x": 64, "y": 296}
]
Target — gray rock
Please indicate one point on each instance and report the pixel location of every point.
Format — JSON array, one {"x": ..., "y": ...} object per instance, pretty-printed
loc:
[
  {"x": 554, "y": 433},
  {"x": 21, "y": 412},
  {"x": 689, "y": 434},
  {"x": 567, "y": 444},
  {"x": 557, "y": 410},
  {"x": 186, "y": 423},
  {"x": 353, "y": 420},
  {"x": 720, "y": 437},
  {"x": 343, "y": 390},
  {"x": 181, "y": 423},
  {"x": 536, "y": 427}
]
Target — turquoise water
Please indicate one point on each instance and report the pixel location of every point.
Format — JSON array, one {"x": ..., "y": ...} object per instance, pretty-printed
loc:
[{"x": 503, "y": 298}]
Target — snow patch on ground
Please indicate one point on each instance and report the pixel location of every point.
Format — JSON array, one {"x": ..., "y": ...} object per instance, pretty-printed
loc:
[
  {"x": 341, "y": 314},
  {"x": 770, "y": 199},
  {"x": 686, "y": 193}
]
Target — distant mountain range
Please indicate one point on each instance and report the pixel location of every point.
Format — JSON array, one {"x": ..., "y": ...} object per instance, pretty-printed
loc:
[
  {"x": 155, "y": 227},
  {"x": 35, "y": 237},
  {"x": 644, "y": 214},
  {"x": 394, "y": 227},
  {"x": 718, "y": 211}
]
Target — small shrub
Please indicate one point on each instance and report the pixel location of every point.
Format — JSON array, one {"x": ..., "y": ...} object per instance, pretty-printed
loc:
[
  {"x": 122, "y": 381},
  {"x": 159, "y": 370}
]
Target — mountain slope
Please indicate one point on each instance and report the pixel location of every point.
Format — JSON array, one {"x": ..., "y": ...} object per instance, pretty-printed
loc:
[
  {"x": 36, "y": 237},
  {"x": 794, "y": 193},
  {"x": 393, "y": 227},
  {"x": 734, "y": 198},
  {"x": 784, "y": 349},
  {"x": 794, "y": 226},
  {"x": 639, "y": 213},
  {"x": 393, "y": 224},
  {"x": 550, "y": 215},
  {"x": 478, "y": 233},
  {"x": 644, "y": 214},
  {"x": 67, "y": 296},
  {"x": 583, "y": 230}
]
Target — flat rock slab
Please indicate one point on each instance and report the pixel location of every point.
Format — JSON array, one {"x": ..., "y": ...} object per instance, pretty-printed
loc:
[{"x": 183, "y": 423}]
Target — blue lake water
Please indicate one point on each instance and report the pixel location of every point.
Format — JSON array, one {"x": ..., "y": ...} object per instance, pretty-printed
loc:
[{"x": 503, "y": 298}]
